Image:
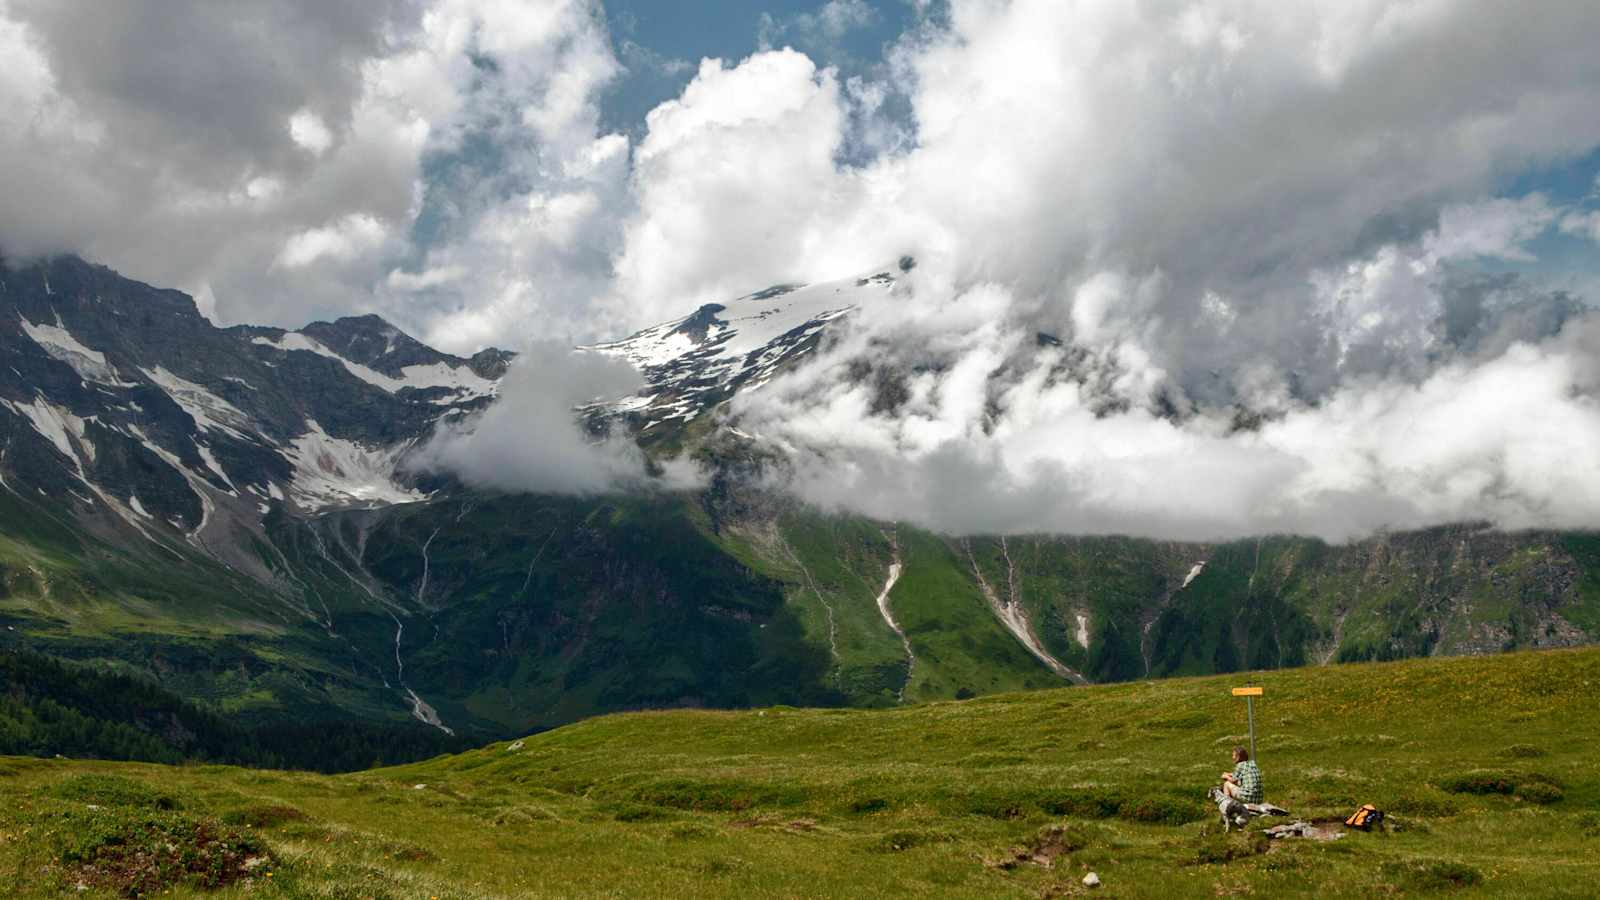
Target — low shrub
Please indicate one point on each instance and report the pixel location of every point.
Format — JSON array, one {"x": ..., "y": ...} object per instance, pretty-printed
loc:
[
  {"x": 112, "y": 790},
  {"x": 1005, "y": 808},
  {"x": 1060, "y": 839},
  {"x": 1107, "y": 803},
  {"x": 1589, "y": 824},
  {"x": 714, "y": 796},
  {"x": 265, "y": 815},
  {"x": 1177, "y": 722},
  {"x": 1214, "y": 849},
  {"x": 1531, "y": 787},
  {"x": 523, "y": 815},
  {"x": 1437, "y": 875},
  {"x": 691, "y": 831},
  {"x": 133, "y": 851},
  {"x": 1161, "y": 811},
  {"x": 1540, "y": 792},
  {"x": 635, "y": 812},
  {"x": 1085, "y": 803},
  {"x": 1481, "y": 783},
  {"x": 1424, "y": 801}
]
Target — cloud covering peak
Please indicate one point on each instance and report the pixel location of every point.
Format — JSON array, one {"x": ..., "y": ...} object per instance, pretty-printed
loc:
[{"x": 1289, "y": 259}]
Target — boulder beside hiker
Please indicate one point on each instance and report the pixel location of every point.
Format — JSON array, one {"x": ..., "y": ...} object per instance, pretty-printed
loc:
[{"x": 1244, "y": 782}]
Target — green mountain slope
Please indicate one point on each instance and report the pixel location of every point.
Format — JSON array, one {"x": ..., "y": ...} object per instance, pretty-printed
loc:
[
  {"x": 1494, "y": 792},
  {"x": 499, "y": 615}
]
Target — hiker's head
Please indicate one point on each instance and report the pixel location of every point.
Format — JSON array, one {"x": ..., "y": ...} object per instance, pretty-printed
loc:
[{"x": 1240, "y": 754}]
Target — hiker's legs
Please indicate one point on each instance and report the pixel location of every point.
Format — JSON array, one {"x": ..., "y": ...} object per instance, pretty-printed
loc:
[{"x": 1230, "y": 790}]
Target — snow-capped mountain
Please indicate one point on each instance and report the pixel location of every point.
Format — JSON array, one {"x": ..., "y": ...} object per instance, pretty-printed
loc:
[
  {"x": 693, "y": 364},
  {"x": 228, "y": 510},
  {"x": 122, "y": 403}
]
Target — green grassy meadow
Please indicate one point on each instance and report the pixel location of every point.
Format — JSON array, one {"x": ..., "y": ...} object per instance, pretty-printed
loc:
[{"x": 1486, "y": 767}]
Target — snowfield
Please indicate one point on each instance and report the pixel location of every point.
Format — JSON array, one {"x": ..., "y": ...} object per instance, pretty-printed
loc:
[{"x": 694, "y": 363}]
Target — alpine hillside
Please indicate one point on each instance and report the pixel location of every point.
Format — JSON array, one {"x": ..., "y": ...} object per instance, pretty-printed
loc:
[{"x": 233, "y": 514}]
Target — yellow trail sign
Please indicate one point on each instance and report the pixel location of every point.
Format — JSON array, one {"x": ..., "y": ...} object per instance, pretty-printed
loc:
[{"x": 1250, "y": 694}]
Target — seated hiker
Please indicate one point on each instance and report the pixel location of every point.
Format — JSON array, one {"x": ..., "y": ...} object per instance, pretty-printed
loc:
[{"x": 1244, "y": 782}]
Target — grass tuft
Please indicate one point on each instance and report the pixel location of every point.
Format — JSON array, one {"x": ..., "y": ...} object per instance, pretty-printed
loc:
[
  {"x": 1216, "y": 849},
  {"x": 1433, "y": 876},
  {"x": 265, "y": 815},
  {"x": 113, "y": 790}
]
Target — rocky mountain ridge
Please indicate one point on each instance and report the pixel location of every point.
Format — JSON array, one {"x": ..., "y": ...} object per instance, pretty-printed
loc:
[{"x": 225, "y": 511}]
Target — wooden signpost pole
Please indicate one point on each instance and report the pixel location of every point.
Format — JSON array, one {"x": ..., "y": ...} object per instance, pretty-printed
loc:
[{"x": 1250, "y": 694}]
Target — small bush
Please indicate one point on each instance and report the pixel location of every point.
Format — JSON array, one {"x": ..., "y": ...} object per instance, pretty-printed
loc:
[
  {"x": 1059, "y": 839},
  {"x": 265, "y": 815},
  {"x": 714, "y": 796},
  {"x": 691, "y": 831},
  {"x": 1160, "y": 811},
  {"x": 1539, "y": 792},
  {"x": 1426, "y": 802},
  {"x": 1006, "y": 808},
  {"x": 869, "y": 805},
  {"x": 523, "y": 815},
  {"x": 1481, "y": 783},
  {"x": 635, "y": 812},
  {"x": 1522, "y": 751},
  {"x": 112, "y": 790},
  {"x": 1177, "y": 722},
  {"x": 1090, "y": 803},
  {"x": 1214, "y": 849},
  {"x": 1107, "y": 803},
  {"x": 1589, "y": 824},
  {"x": 1434, "y": 876},
  {"x": 134, "y": 851}
]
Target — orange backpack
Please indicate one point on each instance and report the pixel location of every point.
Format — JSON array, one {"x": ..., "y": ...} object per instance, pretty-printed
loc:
[{"x": 1365, "y": 818}]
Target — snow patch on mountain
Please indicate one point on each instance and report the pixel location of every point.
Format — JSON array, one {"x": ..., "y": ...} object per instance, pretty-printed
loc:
[
  {"x": 466, "y": 384},
  {"x": 332, "y": 472},
  {"x": 56, "y": 340},
  {"x": 210, "y": 412},
  {"x": 210, "y": 460},
  {"x": 293, "y": 340},
  {"x": 58, "y": 426},
  {"x": 461, "y": 381}
]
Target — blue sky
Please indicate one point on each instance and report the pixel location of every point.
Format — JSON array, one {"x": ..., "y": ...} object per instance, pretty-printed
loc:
[
  {"x": 1214, "y": 201},
  {"x": 677, "y": 34}
]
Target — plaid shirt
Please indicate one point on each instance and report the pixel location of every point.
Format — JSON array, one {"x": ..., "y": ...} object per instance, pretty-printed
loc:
[{"x": 1247, "y": 775}]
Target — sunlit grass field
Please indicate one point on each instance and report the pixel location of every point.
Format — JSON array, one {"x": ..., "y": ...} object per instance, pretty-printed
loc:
[{"x": 1487, "y": 768}]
